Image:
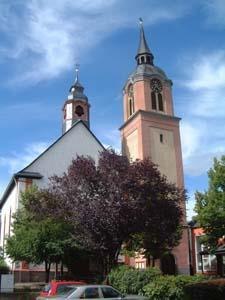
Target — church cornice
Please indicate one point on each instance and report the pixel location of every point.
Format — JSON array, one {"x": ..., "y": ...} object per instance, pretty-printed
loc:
[
  {"x": 147, "y": 77},
  {"x": 152, "y": 114}
]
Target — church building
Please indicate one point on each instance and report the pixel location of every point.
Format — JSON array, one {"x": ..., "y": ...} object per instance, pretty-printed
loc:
[
  {"x": 76, "y": 139},
  {"x": 151, "y": 129}
]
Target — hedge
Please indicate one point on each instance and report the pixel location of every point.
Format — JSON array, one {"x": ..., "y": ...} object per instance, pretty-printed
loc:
[
  {"x": 155, "y": 286},
  {"x": 209, "y": 290},
  {"x": 169, "y": 287},
  {"x": 129, "y": 280}
]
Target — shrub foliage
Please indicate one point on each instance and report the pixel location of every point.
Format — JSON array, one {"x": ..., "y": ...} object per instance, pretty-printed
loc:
[
  {"x": 169, "y": 287},
  {"x": 131, "y": 281}
]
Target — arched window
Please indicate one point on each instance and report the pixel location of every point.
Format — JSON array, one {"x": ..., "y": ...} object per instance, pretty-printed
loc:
[
  {"x": 160, "y": 101},
  {"x": 131, "y": 106},
  {"x": 156, "y": 94},
  {"x": 130, "y": 100},
  {"x": 142, "y": 59},
  {"x": 154, "y": 101}
]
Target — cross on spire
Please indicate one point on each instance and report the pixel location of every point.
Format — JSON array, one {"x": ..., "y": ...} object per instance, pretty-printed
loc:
[
  {"x": 141, "y": 21},
  {"x": 77, "y": 69}
]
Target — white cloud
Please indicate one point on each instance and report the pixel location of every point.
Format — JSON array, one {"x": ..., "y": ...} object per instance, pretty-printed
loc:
[
  {"x": 200, "y": 146},
  {"x": 18, "y": 160},
  {"x": 215, "y": 10},
  {"x": 208, "y": 72},
  {"x": 200, "y": 162},
  {"x": 202, "y": 131},
  {"x": 111, "y": 139},
  {"x": 205, "y": 84},
  {"x": 190, "y": 206},
  {"x": 47, "y": 37},
  {"x": 190, "y": 139}
]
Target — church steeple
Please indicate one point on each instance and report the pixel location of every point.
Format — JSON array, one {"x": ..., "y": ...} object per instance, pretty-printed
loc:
[
  {"x": 76, "y": 107},
  {"x": 77, "y": 90},
  {"x": 144, "y": 55}
]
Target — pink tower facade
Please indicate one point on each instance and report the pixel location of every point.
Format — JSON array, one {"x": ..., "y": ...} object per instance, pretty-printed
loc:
[{"x": 151, "y": 129}]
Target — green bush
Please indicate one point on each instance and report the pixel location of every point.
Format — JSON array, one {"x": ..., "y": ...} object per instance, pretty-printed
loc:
[
  {"x": 4, "y": 269},
  {"x": 169, "y": 287},
  {"x": 129, "y": 280},
  {"x": 209, "y": 290}
]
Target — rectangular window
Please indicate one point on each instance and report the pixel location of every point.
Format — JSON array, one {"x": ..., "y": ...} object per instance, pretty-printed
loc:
[{"x": 161, "y": 138}]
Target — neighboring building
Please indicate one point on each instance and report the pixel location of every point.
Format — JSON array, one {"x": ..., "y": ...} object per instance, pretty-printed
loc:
[
  {"x": 77, "y": 139},
  {"x": 220, "y": 256},
  {"x": 151, "y": 129},
  {"x": 200, "y": 259}
]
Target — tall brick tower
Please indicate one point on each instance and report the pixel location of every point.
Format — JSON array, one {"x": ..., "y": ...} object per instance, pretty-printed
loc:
[{"x": 151, "y": 129}]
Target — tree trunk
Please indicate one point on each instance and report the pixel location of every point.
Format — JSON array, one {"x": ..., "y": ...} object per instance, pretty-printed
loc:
[
  {"x": 56, "y": 270},
  {"x": 148, "y": 258},
  {"x": 108, "y": 261},
  {"x": 153, "y": 261},
  {"x": 47, "y": 271},
  {"x": 61, "y": 271}
]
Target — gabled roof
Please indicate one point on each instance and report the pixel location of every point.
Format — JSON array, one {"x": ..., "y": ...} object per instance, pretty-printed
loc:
[
  {"x": 71, "y": 128},
  {"x": 21, "y": 174},
  {"x": 33, "y": 175}
]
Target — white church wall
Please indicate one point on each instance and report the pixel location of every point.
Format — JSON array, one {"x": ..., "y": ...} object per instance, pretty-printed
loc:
[
  {"x": 55, "y": 161},
  {"x": 8, "y": 209}
]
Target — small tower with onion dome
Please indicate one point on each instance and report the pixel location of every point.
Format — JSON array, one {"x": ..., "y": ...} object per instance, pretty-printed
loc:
[{"x": 76, "y": 107}]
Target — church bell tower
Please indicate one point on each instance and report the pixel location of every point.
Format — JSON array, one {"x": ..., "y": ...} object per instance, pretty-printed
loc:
[
  {"x": 76, "y": 107},
  {"x": 151, "y": 129}
]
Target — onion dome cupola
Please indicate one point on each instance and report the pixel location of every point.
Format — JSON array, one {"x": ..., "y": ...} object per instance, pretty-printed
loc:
[
  {"x": 76, "y": 107},
  {"x": 77, "y": 90}
]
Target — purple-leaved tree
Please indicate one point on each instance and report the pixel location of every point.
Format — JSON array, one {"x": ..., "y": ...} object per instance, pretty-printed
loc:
[{"x": 108, "y": 203}]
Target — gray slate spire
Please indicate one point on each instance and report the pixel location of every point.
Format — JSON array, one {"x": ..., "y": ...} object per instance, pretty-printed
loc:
[{"x": 144, "y": 55}]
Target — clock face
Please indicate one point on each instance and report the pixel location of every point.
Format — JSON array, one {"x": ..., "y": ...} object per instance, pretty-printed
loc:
[{"x": 156, "y": 85}]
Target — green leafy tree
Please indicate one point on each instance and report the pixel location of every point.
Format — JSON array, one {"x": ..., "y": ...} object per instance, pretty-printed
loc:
[
  {"x": 210, "y": 205},
  {"x": 4, "y": 268},
  {"x": 37, "y": 241}
]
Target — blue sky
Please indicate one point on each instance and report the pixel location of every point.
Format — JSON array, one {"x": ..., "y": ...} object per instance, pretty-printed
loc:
[{"x": 42, "y": 40}]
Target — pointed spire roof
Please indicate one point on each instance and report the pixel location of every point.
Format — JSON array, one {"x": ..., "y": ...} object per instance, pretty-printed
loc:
[{"x": 143, "y": 48}]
